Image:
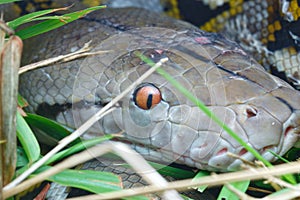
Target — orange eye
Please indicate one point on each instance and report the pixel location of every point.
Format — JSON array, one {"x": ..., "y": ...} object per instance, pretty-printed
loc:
[{"x": 146, "y": 96}]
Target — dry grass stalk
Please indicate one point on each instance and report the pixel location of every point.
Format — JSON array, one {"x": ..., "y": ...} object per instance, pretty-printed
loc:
[
  {"x": 83, "y": 52},
  {"x": 213, "y": 180}
]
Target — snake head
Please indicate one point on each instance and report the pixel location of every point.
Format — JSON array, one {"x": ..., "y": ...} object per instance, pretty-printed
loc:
[
  {"x": 261, "y": 109},
  {"x": 162, "y": 124}
]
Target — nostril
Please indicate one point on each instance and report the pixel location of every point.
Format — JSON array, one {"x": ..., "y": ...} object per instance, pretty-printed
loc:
[{"x": 251, "y": 112}]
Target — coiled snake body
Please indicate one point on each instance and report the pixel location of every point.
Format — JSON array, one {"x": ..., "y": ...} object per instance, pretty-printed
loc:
[{"x": 262, "y": 109}]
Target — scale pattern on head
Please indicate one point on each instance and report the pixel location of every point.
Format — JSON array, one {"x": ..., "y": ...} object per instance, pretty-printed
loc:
[{"x": 262, "y": 109}]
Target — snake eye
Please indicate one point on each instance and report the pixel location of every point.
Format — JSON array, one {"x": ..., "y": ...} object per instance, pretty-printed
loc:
[{"x": 146, "y": 96}]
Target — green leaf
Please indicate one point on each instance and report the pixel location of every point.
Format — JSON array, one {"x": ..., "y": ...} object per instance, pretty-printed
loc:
[
  {"x": 165, "y": 170},
  {"x": 172, "y": 171},
  {"x": 185, "y": 197},
  {"x": 8, "y": 1},
  {"x": 90, "y": 180},
  {"x": 54, "y": 23},
  {"x": 21, "y": 157},
  {"x": 33, "y": 17},
  {"x": 293, "y": 153},
  {"x": 93, "y": 181},
  {"x": 137, "y": 198},
  {"x": 289, "y": 178},
  {"x": 22, "y": 102},
  {"x": 199, "y": 175},
  {"x": 27, "y": 139},
  {"x": 49, "y": 127},
  {"x": 228, "y": 194}
]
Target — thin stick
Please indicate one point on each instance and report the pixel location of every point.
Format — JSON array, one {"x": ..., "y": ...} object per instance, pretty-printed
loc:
[
  {"x": 83, "y": 52},
  {"x": 283, "y": 194},
  {"x": 272, "y": 179},
  {"x": 239, "y": 193},
  {"x": 152, "y": 177},
  {"x": 5, "y": 28},
  {"x": 67, "y": 163},
  {"x": 144, "y": 169},
  {"x": 84, "y": 127},
  {"x": 213, "y": 180}
]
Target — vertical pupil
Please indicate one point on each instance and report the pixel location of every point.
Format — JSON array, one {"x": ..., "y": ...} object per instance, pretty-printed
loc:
[{"x": 149, "y": 101}]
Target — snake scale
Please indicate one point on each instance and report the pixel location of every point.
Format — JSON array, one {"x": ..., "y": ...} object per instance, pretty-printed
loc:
[{"x": 262, "y": 109}]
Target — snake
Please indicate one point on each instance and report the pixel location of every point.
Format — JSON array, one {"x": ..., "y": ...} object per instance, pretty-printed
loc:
[{"x": 160, "y": 122}]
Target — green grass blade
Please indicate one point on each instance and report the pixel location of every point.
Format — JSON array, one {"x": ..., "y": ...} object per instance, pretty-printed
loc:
[
  {"x": 93, "y": 181},
  {"x": 165, "y": 170},
  {"x": 138, "y": 198},
  {"x": 48, "y": 126},
  {"x": 27, "y": 139},
  {"x": 54, "y": 23},
  {"x": 278, "y": 156},
  {"x": 21, "y": 157},
  {"x": 33, "y": 17},
  {"x": 172, "y": 171},
  {"x": 8, "y": 1},
  {"x": 90, "y": 180},
  {"x": 285, "y": 191},
  {"x": 199, "y": 175},
  {"x": 293, "y": 154},
  {"x": 22, "y": 102},
  {"x": 185, "y": 197}
]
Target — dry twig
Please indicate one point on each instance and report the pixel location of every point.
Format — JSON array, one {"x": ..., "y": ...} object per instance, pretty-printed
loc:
[
  {"x": 213, "y": 180},
  {"x": 83, "y": 52}
]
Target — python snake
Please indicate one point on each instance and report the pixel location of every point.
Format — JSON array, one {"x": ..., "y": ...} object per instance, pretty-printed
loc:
[{"x": 261, "y": 108}]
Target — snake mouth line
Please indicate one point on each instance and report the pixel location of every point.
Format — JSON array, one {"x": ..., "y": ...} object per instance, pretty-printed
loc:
[
  {"x": 147, "y": 147},
  {"x": 158, "y": 154},
  {"x": 167, "y": 157}
]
